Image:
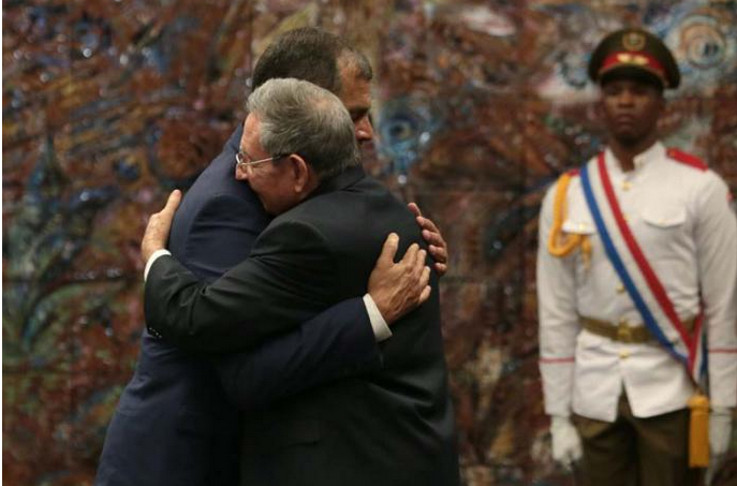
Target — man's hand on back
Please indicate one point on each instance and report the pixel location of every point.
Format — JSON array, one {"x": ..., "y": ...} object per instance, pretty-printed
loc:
[
  {"x": 435, "y": 241},
  {"x": 159, "y": 225},
  {"x": 397, "y": 288}
]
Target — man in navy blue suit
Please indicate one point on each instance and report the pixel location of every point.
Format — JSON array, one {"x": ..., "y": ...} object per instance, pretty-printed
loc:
[{"x": 174, "y": 425}]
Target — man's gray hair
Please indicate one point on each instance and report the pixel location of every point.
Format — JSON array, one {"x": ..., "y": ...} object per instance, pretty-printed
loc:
[{"x": 299, "y": 117}]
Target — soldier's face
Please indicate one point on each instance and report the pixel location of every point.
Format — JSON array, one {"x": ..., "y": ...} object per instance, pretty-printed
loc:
[{"x": 630, "y": 110}]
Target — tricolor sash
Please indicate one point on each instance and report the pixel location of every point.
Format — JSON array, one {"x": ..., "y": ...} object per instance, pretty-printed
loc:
[{"x": 637, "y": 276}]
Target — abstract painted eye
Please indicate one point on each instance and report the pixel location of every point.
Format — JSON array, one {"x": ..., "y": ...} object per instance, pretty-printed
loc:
[
  {"x": 400, "y": 129},
  {"x": 705, "y": 45},
  {"x": 406, "y": 127}
]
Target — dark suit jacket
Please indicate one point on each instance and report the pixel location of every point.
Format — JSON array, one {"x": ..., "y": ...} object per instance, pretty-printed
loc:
[
  {"x": 173, "y": 424},
  {"x": 394, "y": 426}
]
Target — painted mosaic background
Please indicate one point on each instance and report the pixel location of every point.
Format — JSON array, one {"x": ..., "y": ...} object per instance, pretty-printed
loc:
[{"x": 109, "y": 104}]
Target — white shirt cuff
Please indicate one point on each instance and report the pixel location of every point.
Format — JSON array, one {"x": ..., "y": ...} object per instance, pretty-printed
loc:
[
  {"x": 378, "y": 324},
  {"x": 154, "y": 257}
]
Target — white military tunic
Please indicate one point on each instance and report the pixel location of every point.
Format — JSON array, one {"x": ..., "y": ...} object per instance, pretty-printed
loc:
[{"x": 681, "y": 217}]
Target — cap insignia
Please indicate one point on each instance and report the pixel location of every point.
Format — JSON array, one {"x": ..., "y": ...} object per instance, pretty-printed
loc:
[{"x": 633, "y": 41}]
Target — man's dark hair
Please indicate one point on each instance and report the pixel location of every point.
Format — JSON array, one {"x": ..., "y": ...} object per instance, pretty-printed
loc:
[{"x": 312, "y": 55}]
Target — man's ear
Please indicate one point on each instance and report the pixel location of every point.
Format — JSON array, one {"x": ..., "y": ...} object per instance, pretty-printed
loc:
[
  {"x": 301, "y": 172},
  {"x": 240, "y": 173},
  {"x": 662, "y": 102}
]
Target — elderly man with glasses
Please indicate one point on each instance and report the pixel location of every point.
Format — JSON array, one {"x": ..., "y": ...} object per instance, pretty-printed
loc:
[{"x": 174, "y": 424}]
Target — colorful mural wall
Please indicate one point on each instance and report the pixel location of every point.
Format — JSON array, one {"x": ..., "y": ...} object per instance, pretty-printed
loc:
[{"x": 109, "y": 104}]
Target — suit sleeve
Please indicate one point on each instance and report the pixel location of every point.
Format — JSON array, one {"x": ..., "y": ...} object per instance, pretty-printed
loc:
[
  {"x": 337, "y": 343},
  {"x": 288, "y": 280},
  {"x": 556, "y": 293}
]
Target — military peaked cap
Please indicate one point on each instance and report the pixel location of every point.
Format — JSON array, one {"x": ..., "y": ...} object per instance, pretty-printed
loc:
[{"x": 637, "y": 53}]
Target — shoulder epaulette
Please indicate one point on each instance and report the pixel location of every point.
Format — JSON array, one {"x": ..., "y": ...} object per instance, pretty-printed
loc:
[
  {"x": 686, "y": 158},
  {"x": 560, "y": 244}
]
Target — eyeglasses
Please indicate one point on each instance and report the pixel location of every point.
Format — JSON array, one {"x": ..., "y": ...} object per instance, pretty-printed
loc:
[{"x": 242, "y": 159}]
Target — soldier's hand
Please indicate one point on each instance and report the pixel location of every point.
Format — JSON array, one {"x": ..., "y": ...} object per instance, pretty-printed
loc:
[
  {"x": 158, "y": 227},
  {"x": 435, "y": 241},
  {"x": 567, "y": 448},
  {"x": 397, "y": 288},
  {"x": 720, "y": 430}
]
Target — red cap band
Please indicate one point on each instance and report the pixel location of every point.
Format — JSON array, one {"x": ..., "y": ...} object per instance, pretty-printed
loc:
[{"x": 634, "y": 59}]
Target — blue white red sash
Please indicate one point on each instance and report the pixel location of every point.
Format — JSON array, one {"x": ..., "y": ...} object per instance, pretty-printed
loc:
[{"x": 638, "y": 277}]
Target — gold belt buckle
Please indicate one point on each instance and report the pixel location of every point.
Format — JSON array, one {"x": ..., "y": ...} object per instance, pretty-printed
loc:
[{"x": 624, "y": 332}]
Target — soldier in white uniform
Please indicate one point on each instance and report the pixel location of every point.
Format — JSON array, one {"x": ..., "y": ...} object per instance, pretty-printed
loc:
[{"x": 637, "y": 284}]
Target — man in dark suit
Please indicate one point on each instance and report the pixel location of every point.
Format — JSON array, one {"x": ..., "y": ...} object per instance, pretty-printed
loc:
[
  {"x": 391, "y": 426},
  {"x": 173, "y": 424}
]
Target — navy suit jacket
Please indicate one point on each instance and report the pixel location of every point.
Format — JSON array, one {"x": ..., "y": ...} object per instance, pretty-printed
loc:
[{"x": 174, "y": 424}]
